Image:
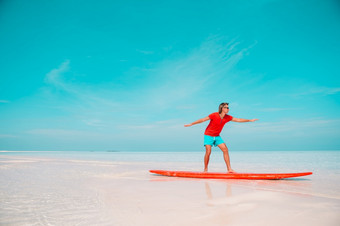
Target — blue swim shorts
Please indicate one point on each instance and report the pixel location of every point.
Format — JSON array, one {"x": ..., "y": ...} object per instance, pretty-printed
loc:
[{"x": 213, "y": 141}]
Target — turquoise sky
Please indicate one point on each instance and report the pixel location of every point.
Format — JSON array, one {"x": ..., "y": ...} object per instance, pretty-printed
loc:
[{"x": 127, "y": 75}]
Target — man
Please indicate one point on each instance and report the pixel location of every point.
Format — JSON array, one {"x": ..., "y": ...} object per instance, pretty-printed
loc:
[{"x": 213, "y": 130}]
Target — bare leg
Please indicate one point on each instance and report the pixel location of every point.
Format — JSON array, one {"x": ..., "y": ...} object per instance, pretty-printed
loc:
[
  {"x": 224, "y": 149},
  {"x": 207, "y": 157}
]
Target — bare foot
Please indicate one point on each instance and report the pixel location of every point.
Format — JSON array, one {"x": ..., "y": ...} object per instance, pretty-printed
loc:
[
  {"x": 205, "y": 170},
  {"x": 231, "y": 171}
]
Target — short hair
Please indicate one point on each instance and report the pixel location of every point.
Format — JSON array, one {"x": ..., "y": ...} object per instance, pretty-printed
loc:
[{"x": 221, "y": 106}]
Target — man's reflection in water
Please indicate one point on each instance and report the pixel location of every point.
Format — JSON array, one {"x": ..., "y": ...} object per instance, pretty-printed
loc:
[
  {"x": 222, "y": 214},
  {"x": 210, "y": 195}
]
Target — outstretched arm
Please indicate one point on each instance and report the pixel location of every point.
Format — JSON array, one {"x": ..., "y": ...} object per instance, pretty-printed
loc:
[
  {"x": 243, "y": 120},
  {"x": 198, "y": 121}
]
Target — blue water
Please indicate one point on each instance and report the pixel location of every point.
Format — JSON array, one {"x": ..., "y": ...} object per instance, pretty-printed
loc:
[{"x": 259, "y": 161}]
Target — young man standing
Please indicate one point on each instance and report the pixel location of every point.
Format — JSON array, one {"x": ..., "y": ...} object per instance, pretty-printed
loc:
[{"x": 213, "y": 130}]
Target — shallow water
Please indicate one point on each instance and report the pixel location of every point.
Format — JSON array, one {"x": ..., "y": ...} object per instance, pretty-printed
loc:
[{"x": 115, "y": 188}]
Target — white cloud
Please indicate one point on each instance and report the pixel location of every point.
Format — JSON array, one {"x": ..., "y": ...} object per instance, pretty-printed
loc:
[
  {"x": 163, "y": 124},
  {"x": 85, "y": 101},
  {"x": 7, "y": 136},
  {"x": 54, "y": 77},
  {"x": 311, "y": 125},
  {"x": 327, "y": 90},
  {"x": 145, "y": 52},
  {"x": 278, "y": 109},
  {"x": 95, "y": 122},
  {"x": 315, "y": 90},
  {"x": 65, "y": 133},
  {"x": 136, "y": 127},
  {"x": 170, "y": 84},
  {"x": 184, "y": 77}
]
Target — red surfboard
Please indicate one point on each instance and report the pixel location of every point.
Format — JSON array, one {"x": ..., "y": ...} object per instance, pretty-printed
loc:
[{"x": 248, "y": 176}]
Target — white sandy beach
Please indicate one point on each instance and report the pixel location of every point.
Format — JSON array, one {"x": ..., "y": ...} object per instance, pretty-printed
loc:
[{"x": 49, "y": 190}]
